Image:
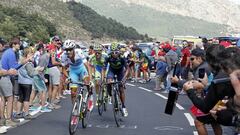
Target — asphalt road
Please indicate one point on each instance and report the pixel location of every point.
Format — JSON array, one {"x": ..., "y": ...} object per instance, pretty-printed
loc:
[{"x": 146, "y": 117}]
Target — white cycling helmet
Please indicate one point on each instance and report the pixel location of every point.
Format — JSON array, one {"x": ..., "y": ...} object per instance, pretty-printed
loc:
[{"x": 69, "y": 44}]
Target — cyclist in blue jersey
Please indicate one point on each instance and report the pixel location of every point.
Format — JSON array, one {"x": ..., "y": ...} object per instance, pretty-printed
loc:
[
  {"x": 118, "y": 67},
  {"x": 75, "y": 59}
]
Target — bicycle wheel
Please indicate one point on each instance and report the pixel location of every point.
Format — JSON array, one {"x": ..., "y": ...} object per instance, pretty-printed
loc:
[
  {"x": 74, "y": 117},
  {"x": 86, "y": 114},
  {"x": 101, "y": 101},
  {"x": 105, "y": 98},
  {"x": 116, "y": 108}
]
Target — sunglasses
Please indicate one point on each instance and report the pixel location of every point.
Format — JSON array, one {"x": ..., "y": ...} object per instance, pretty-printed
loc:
[
  {"x": 97, "y": 53},
  {"x": 192, "y": 59},
  {"x": 68, "y": 50},
  {"x": 56, "y": 40},
  {"x": 115, "y": 52}
]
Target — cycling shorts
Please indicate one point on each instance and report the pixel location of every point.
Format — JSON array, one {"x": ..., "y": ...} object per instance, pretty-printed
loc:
[
  {"x": 98, "y": 72},
  {"x": 78, "y": 73},
  {"x": 111, "y": 73}
]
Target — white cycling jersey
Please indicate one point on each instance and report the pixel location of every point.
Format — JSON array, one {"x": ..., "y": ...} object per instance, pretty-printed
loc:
[{"x": 79, "y": 59}]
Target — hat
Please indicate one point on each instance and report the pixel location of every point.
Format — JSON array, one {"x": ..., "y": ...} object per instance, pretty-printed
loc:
[
  {"x": 55, "y": 38},
  {"x": 198, "y": 52},
  {"x": 2, "y": 41}
]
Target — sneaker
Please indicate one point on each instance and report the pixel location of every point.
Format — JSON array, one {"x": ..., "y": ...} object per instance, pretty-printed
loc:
[
  {"x": 28, "y": 117},
  {"x": 54, "y": 106},
  {"x": 56, "y": 101},
  {"x": 63, "y": 97},
  {"x": 16, "y": 120},
  {"x": 34, "y": 108},
  {"x": 109, "y": 100},
  {"x": 124, "y": 111},
  {"x": 9, "y": 122},
  {"x": 3, "y": 130},
  {"x": 157, "y": 89},
  {"x": 165, "y": 92},
  {"x": 45, "y": 109},
  {"x": 18, "y": 116}
]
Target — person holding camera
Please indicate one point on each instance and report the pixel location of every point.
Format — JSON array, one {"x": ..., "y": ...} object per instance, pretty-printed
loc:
[{"x": 201, "y": 75}]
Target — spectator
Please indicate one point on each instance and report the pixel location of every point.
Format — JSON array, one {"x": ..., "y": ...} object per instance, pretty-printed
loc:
[
  {"x": 9, "y": 62},
  {"x": 171, "y": 59},
  {"x": 161, "y": 72},
  {"x": 25, "y": 74},
  {"x": 54, "y": 73}
]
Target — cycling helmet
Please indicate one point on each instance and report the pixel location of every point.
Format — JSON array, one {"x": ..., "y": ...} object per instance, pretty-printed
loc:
[
  {"x": 69, "y": 44},
  {"x": 97, "y": 47},
  {"x": 114, "y": 46}
]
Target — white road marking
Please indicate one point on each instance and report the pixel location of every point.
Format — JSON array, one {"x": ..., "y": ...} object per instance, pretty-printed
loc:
[
  {"x": 129, "y": 84},
  {"x": 190, "y": 119},
  {"x": 145, "y": 89},
  {"x": 160, "y": 95},
  {"x": 179, "y": 106},
  {"x": 168, "y": 128},
  {"x": 102, "y": 126},
  {"x": 195, "y": 133}
]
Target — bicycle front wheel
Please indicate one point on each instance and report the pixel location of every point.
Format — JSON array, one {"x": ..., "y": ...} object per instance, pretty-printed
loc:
[
  {"x": 86, "y": 114},
  {"x": 117, "y": 108},
  {"x": 100, "y": 101},
  {"x": 74, "y": 116}
]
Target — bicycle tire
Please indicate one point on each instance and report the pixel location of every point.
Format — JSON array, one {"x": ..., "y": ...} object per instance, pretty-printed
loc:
[
  {"x": 86, "y": 114},
  {"x": 74, "y": 116},
  {"x": 105, "y": 98},
  {"x": 116, "y": 108},
  {"x": 101, "y": 101}
]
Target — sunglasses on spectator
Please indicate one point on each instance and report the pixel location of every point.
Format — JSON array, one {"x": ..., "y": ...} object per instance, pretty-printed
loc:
[{"x": 192, "y": 59}]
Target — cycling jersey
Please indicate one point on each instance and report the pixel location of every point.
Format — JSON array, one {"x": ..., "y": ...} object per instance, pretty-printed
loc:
[
  {"x": 79, "y": 59},
  {"x": 98, "y": 64},
  {"x": 77, "y": 69},
  {"x": 116, "y": 67},
  {"x": 118, "y": 63}
]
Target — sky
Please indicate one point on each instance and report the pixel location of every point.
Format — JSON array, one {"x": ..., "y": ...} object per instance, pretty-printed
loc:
[{"x": 237, "y": 1}]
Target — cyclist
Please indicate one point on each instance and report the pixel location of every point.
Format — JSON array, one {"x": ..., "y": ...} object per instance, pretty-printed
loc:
[
  {"x": 96, "y": 63},
  {"x": 77, "y": 67},
  {"x": 117, "y": 66}
]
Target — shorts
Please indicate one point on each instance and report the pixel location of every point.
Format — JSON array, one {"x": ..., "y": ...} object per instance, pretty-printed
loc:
[
  {"x": 207, "y": 119},
  {"x": 6, "y": 87},
  {"x": 98, "y": 72},
  {"x": 46, "y": 76},
  {"x": 118, "y": 73},
  {"x": 54, "y": 75},
  {"x": 24, "y": 92},
  {"x": 14, "y": 81},
  {"x": 38, "y": 84},
  {"x": 78, "y": 73},
  {"x": 144, "y": 67},
  {"x": 136, "y": 67}
]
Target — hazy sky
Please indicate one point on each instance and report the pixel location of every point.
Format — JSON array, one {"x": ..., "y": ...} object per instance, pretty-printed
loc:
[{"x": 237, "y": 1}]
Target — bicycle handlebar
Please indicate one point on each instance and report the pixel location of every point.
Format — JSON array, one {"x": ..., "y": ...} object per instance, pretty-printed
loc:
[{"x": 80, "y": 83}]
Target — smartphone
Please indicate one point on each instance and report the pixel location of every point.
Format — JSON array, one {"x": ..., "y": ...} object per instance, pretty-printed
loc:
[{"x": 201, "y": 73}]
